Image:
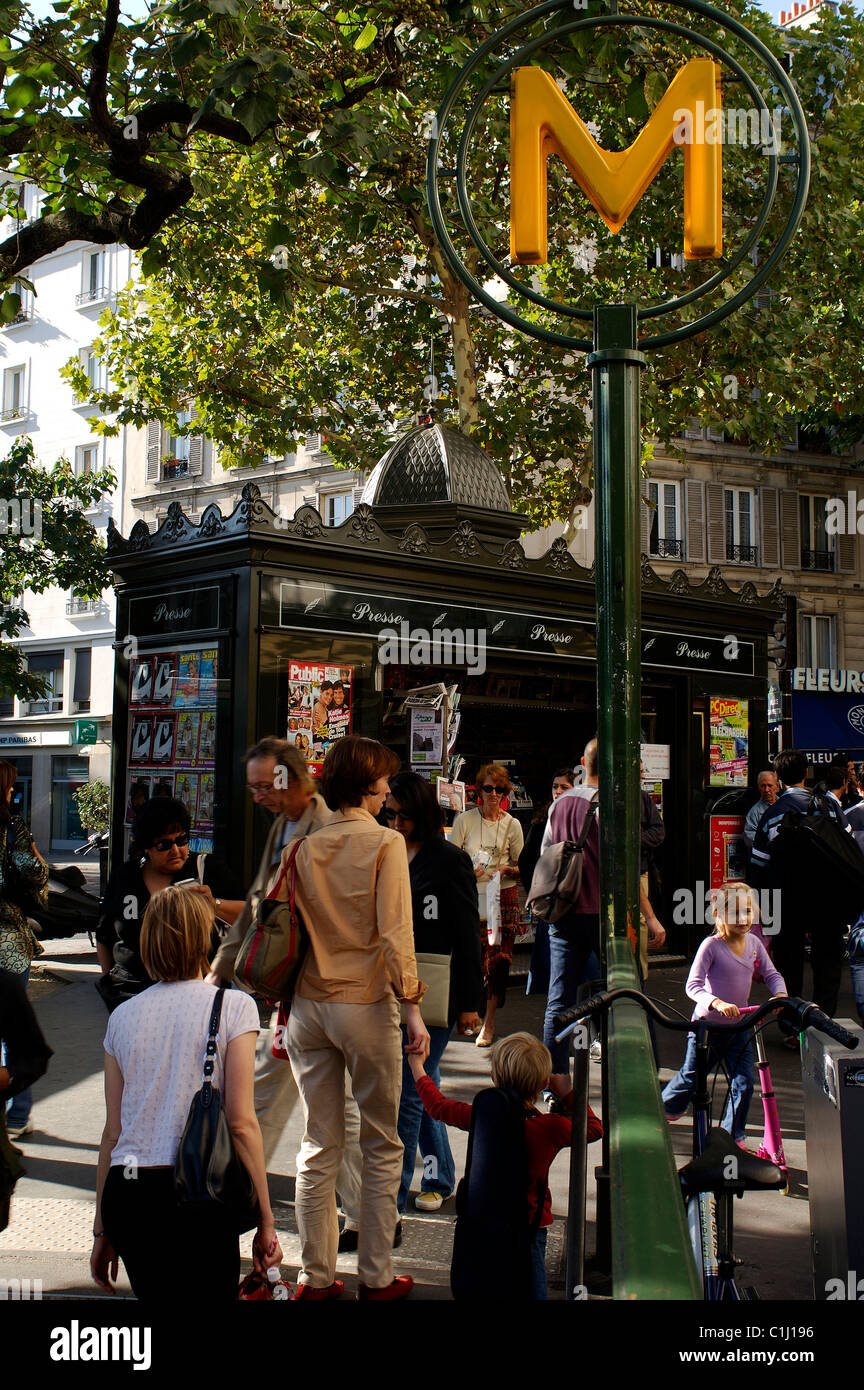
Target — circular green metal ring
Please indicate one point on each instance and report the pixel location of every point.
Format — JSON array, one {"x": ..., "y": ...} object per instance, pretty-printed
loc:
[{"x": 687, "y": 330}]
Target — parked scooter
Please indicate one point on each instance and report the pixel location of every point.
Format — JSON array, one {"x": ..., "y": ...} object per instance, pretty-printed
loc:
[{"x": 69, "y": 907}]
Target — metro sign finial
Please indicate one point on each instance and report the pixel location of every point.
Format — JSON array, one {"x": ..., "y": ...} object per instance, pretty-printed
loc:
[{"x": 542, "y": 123}]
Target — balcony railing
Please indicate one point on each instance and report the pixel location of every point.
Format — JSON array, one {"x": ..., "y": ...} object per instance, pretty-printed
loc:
[
  {"x": 742, "y": 554},
  {"x": 176, "y": 468},
  {"x": 91, "y": 296},
  {"x": 15, "y": 412},
  {"x": 23, "y": 316},
  {"x": 79, "y": 607},
  {"x": 668, "y": 550},
  {"x": 817, "y": 560}
]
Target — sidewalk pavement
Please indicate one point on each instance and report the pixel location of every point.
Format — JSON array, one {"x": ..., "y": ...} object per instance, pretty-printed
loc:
[{"x": 52, "y": 1210}]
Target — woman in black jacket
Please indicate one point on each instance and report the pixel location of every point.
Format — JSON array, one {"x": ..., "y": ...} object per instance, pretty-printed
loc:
[
  {"x": 159, "y": 856},
  {"x": 446, "y": 922}
]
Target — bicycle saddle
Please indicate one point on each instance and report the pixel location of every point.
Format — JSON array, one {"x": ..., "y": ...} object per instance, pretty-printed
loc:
[{"x": 722, "y": 1166}]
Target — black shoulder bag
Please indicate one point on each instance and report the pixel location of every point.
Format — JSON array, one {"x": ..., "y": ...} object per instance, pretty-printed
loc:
[{"x": 208, "y": 1169}]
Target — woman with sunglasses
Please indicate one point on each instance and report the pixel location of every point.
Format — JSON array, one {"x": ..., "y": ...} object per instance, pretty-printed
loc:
[
  {"x": 159, "y": 858},
  {"x": 494, "y": 841}
]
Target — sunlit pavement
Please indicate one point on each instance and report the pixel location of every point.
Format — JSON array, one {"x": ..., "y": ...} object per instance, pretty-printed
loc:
[{"x": 49, "y": 1236}]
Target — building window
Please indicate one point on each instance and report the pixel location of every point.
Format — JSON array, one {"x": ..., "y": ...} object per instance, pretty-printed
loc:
[
  {"x": 81, "y": 685},
  {"x": 93, "y": 278},
  {"x": 739, "y": 505},
  {"x": 665, "y": 538},
  {"x": 14, "y": 393},
  {"x": 22, "y": 790},
  {"x": 49, "y": 665},
  {"x": 817, "y": 545},
  {"x": 25, "y": 311},
  {"x": 340, "y": 505},
  {"x": 817, "y": 642},
  {"x": 175, "y": 449},
  {"x": 7, "y": 706},
  {"x": 67, "y": 775},
  {"x": 94, "y": 368},
  {"x": 86, "y": 459}
]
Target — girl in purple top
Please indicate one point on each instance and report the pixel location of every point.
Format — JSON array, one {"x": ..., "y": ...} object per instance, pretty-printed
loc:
[{"x": 719, "y": 983}]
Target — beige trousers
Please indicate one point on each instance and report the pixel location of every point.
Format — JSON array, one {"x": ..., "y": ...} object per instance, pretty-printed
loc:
[
  {"x": 276, "y": 1096},
  {"x": 325, "y": 1038}
]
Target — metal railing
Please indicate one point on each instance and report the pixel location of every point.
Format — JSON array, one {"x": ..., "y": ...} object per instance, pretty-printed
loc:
[
  {"x": 668, "y": 550},
  {"x": 742, "y": 554},
  {"x": 79, "y": 607},
  {"x": 817, "y": 560},
  {"x": 90, "y": 296}
]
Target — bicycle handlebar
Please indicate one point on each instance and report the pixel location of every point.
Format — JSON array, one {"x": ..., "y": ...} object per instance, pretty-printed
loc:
[{"x": 800, "y": 1011}]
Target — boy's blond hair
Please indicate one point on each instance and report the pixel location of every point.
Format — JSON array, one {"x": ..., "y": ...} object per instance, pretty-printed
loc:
[
  {"x": 175, "y": 935},
  {"x": 522, "y": 1062},
  {"x": 725, "y": 900}
]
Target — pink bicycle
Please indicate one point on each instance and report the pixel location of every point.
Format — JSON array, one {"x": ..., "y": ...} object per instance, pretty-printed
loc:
[{"x": 771, "y": 1146}]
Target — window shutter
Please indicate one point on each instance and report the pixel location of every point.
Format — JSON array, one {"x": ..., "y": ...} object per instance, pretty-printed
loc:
[
  {"x": 716, "y": 523},
  {"x": 154, "y": 450},
  {"x": 196, "y": 455},
  {"x": 81, "y": 687},
  {"x": 694, "y": 519},
  {"x": 770, "y": 527},
  {"x": 845, "y": 553},
  {"x": 358, "y": 494},
  {"x": 645, "y": 515},
  {"x": 693, "y": 429},
  {"x": 790, "y": 529}
]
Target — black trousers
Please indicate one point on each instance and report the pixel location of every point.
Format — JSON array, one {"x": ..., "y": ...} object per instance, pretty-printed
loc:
[
  {"x": 173, "y": 1253},
  {"x": 826, "y": 957}
]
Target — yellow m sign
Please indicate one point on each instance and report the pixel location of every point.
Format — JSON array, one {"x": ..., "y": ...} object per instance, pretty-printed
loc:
[{"x": 542, "y": 122}]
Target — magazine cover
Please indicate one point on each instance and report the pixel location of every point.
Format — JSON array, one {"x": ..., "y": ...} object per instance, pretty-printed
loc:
[
  {"x": 188, "y": 685},
  {"x": 165, "y": 666},
  {"x": 140, "y": 791},
  {"x": 207, "y": 737},
  {"x": 142, "y": 682},
  {"x": 186, "y": 750},
  {"x": 186, "y": 790},
  {"x": 206, "y": 785},
  {"x": 163, "y": 738},
  {"x": 142, "y": 739},
  {"x": 208, "y": 674},
  {"x": 319, "y": 707}
]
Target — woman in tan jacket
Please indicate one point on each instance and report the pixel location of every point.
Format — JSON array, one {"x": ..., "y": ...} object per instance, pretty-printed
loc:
[{"x": 354, "y": 894}]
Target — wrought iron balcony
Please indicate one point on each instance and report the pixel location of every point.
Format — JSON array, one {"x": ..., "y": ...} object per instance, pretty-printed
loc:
[
  {"x": 817, "y": 560},
  {"x": 91, "y": 296},
  {"x": 667, "y": 550},
  {"x": 17, "y": 412},
  {"x": 80, "y": 607},
  {"x": 174, "y": 468},
  {"x": 742, "y": 554}
]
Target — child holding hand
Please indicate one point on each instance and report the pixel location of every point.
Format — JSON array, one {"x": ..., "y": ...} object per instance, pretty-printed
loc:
[
  {"x": 520, "y": 1063},
  {"x": 719, "y": 982}
]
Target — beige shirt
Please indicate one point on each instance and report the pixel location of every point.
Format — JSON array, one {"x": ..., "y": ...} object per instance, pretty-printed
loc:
[
  {"x": 316, "y": 814},
  {"x": 500, "y": 840},
  {"x": 354, "y": 894}
]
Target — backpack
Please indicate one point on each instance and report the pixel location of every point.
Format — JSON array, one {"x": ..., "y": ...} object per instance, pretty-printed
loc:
[
  {"x": 492, "y": 1241},
  {"x": 820, "y": 863},
  {"x": 557, "y": 879}
]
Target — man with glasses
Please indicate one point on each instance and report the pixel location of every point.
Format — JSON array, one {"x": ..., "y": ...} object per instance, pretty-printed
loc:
[{"x": 278, "y": 778}]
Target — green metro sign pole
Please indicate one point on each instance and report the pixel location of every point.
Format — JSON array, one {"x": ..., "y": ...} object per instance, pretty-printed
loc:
[{"x": 637, "y": 1185}]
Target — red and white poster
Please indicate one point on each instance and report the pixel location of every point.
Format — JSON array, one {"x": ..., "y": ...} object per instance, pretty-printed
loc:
[
  {"x": 319, "y": 708},
  {"x": 728, "y": 850}
]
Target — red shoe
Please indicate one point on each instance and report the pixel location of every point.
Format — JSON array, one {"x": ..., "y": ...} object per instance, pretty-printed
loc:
[
  {"x": 400, "y": 1288},
  {"x": 306, "y": 1291}
]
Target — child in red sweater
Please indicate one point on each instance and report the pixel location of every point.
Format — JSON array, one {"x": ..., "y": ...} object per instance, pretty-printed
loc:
[{"x": 520, "y": 1063}]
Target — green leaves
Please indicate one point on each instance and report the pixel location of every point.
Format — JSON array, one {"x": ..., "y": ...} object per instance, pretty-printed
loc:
[
  {"x": 22, "y": 92},
  {"x": 256, "y": 112},
  {"x": 366, "y": 37}
]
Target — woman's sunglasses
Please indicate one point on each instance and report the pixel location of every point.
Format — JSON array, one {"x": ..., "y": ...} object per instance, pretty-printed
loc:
[
  {"x": 164, "y": 845},
  {"x": 493, "y": 791},
  {"x": 395, "y": 815}
]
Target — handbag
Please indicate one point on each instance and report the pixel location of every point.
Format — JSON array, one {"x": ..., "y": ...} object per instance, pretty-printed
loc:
[
  {"x": 557, "y": 879},
  {"x": 434, "y": 971},
  {"x": 274, "y": 948},
  {"x": 208, "y": 1169}
]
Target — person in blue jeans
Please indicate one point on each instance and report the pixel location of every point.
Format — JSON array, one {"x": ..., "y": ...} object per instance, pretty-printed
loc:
[{"x": 446, "y": 923}]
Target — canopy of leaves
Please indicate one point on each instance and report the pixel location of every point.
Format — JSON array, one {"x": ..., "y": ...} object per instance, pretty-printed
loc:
[
  {"x": 47, "y": 540},
  {"x": 297, "y": 284}
]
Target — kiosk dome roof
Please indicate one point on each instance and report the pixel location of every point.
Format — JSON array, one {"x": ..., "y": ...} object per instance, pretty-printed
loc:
[{"x": 435, "y": 464}]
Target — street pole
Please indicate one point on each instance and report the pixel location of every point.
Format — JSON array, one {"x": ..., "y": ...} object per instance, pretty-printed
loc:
[{"x": 616, "y": 364}]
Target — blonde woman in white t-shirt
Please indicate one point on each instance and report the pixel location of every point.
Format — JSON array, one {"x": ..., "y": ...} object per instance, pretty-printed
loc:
[
  {"x": 494, "y": 840},
  {"x": 154, "y": 1056}
]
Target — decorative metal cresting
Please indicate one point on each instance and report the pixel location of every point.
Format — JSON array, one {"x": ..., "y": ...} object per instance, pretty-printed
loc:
[{"x": 640, "y": 1215}]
